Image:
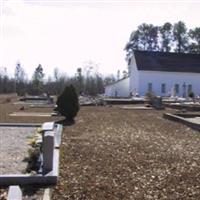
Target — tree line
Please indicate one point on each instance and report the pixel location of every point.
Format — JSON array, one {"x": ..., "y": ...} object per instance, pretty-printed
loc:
[
  {"x": 166, "y": 38},
  {"x": 86, "y": 80}
]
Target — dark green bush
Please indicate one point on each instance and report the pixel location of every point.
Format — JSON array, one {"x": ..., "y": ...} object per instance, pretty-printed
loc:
[
  {"x": 67, "y": 103},
  {"x": 191, "y": 94}
]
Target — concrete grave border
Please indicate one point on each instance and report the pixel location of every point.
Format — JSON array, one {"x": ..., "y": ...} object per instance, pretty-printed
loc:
[
  {"x": 35, "y": 104},
  {"x": 49, "y": 178},
  {"x": 137, "y": 108},
  {"x": 34, "y": 114},
  {"x": 183, "y": 120},
  {"x": 42, "y": 105},
  {"x": 180, "y": 106},
  {"x": 123, "y": 101},
  {"x": 15, "y": 193}
]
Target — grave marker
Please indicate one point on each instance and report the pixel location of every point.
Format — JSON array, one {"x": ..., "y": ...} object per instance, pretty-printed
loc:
[
  {"x": 48, "y": 150},
  {"x": 157, "y": 103},
  {"x": 14, "y": 193},
  {"x": 48, "y": 126}
]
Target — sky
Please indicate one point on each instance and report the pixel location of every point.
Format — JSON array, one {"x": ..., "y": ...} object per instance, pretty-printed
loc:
[{"x": 68, "y": 34}]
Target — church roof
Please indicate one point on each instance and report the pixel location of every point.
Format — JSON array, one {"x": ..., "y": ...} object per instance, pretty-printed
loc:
[{"x": 168, "y": 62}]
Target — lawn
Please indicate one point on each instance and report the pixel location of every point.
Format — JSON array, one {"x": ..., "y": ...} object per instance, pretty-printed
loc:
[{"x": 111, "y": 153}]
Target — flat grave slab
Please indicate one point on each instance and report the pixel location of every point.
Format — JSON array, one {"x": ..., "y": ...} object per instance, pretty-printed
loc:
[
  {"x": 137, "y": 108},
  {"x": 195, "y": 120},
  {"x": 42, "y": 105},
  {"x": 14, "y": 148},
  {"x": 189, "y": 106},
  {"x": 192, "y": 122},
  {"x": 34, "y": 104},
  {"x": 124, "y": 101},
  {"x": 39, "y": 103},
  {"x": 31, "y": 114}
]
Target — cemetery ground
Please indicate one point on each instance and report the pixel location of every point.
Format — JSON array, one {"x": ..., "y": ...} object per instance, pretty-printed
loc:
[{"x": 112, "y": 153}]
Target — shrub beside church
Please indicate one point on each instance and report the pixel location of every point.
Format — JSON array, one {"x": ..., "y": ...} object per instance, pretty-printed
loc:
[{"x": 68, "y": 103}]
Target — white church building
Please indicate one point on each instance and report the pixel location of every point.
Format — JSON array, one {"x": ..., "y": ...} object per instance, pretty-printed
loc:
[
  {"x": 163, "y": 73},
  {"x": 119, "y": 88}
]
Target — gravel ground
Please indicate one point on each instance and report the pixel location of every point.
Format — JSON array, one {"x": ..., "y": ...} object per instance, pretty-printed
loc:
[
  {"x": 14, "y": 148},
  {"x": 116, "y": 154}
]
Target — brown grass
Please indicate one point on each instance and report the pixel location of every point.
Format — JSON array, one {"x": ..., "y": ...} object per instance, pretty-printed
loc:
[{"x": 6, "y": 98}]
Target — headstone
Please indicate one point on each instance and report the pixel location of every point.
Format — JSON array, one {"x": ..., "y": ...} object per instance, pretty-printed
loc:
[
  {"x": 58, "y": 136},
  {"x": 14, "y": 192},
  {"x": 157, "y": 103},
  {"x": 50, "y": 100},
  {"x": 48, "y": 150},
  {"x": 48, "y": 126}
]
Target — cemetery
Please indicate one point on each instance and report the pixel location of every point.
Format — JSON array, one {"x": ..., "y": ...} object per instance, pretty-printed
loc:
[
  {"x": 147, "y": 150},
  {"x": 114, "y": 151},
  {"x": 99, "y": 100}
]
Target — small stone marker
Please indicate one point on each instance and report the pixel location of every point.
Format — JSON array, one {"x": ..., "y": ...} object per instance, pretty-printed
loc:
[
  {"x": 48, "y": 150},
  {"x": 157, "y": 103},
  {"x": 58, "y": 136},
  {"x": 14, "y": 193},
  {"x": 47, "y": 194},
  {"x": 48, "y": 126}
]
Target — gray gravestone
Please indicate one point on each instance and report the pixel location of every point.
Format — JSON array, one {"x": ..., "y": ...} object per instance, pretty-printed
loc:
[
  {"x": 48, "y": 150},
  {"x": 157, "y": 102}
]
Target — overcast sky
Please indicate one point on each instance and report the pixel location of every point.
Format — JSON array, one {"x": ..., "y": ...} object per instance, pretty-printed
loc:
[{"x": 66, "y": 34}]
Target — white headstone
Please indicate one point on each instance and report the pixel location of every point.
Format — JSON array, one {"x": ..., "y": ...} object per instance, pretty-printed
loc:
[
  {"x": 48, "y": 126},
  {"x": 14, "y": 193}
]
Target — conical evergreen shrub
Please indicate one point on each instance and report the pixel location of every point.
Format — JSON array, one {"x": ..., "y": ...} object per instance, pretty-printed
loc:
[{"x": 67, "y": 103}]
